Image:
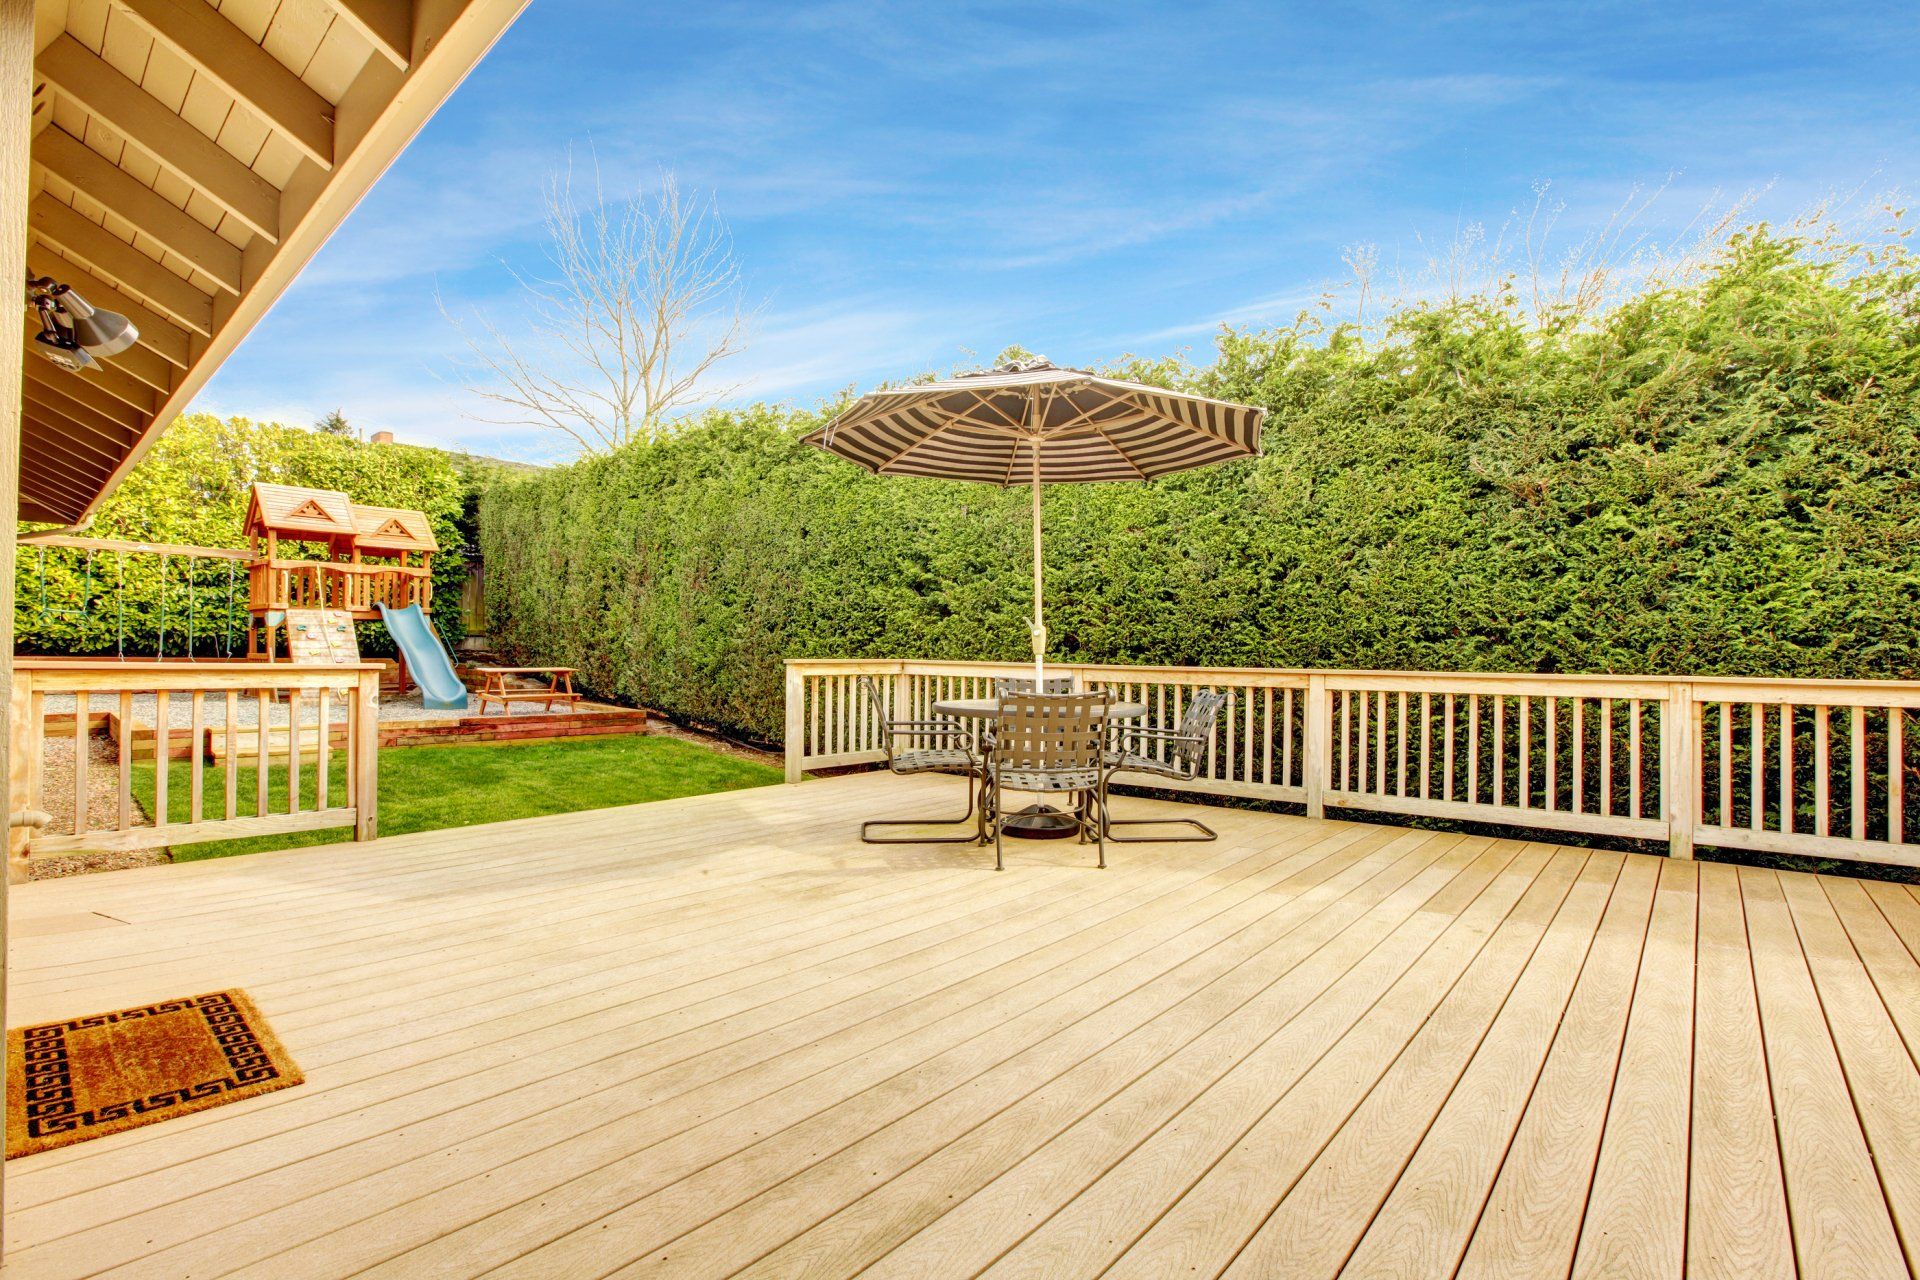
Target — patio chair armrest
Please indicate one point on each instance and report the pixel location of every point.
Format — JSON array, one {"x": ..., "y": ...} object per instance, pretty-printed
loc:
[
  {"x": 1158, "y": 735},
  {"x": 928, "y": 726}
]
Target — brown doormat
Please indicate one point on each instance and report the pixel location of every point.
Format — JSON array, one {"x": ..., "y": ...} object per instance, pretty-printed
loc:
[{"x": 88, "y": 1077}]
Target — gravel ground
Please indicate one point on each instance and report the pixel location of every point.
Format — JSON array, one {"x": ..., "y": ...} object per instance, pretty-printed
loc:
[{"x": 103, "y": 814}]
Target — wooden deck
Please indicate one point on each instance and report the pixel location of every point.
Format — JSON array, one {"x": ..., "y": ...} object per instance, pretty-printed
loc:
[{"x": 717, "y": 1036}]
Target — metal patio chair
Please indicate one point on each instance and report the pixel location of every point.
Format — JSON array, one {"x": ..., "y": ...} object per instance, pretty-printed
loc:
[
  {"x": 1184, "y": 745},
  {"x": 954, "y": 753},
  {"x": 1052, "y": 744}
]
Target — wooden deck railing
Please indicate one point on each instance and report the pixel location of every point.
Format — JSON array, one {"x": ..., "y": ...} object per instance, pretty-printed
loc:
[
  {"x": 1821, "y": 768},
  {"x": 287, "y": 768},
  {"x": 326, "y": 584}
]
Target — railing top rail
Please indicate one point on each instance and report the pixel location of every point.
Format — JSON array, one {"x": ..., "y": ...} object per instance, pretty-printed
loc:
[
  {"x": 154, "y": 666},
  {"x": 72, "y": 675},
  {"x": 1731, "y": 688},
  {"x": 343, "y": 566}
]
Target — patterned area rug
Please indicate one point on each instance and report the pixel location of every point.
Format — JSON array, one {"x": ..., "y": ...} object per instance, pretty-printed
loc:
[{"x": 88, "y": 1077}]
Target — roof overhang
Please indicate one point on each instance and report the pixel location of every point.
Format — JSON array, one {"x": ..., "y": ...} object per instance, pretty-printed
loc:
[{"x": 186, "y": 167}]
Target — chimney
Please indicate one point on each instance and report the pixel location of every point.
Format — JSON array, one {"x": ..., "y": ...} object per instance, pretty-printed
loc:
[{"x": 382, "y": 437}]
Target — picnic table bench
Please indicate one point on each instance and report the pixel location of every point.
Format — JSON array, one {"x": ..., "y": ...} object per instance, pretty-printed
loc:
[{"x": 494, "y": 687}]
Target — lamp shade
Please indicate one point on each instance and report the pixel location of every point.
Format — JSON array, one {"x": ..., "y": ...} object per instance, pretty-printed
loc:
[{"x": 100, "y": 333}]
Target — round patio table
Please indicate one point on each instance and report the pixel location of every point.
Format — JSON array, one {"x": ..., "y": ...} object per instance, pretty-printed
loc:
[{"x": 1036, "y": 821}]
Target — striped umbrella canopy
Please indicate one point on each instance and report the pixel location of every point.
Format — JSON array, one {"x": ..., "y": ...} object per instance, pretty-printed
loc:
[{"x": 1032, "y": 423}]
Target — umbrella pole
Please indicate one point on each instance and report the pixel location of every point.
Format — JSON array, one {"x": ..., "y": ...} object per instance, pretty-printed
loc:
[{"x": 1038, "y": 626}]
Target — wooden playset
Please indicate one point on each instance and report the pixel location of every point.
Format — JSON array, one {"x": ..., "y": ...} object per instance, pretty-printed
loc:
[{"x": 317, "y": 549}]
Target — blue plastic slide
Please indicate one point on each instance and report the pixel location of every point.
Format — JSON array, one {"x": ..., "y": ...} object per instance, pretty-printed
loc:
[{"x": 428, "y": 661}]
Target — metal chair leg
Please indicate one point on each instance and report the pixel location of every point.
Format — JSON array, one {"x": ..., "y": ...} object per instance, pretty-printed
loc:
[
  {"x": 973, "y": 838},
  {"x": 1100, "y": 822},
  {"x": 1206, "y": 832},
  {"x": 999, "y": 860}
]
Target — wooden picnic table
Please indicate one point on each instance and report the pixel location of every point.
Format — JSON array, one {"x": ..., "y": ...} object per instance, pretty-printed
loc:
[{"x": 494, "y": 687}]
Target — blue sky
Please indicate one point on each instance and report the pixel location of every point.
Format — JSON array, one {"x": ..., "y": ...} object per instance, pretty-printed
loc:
[{"x": 911, "y": 186}]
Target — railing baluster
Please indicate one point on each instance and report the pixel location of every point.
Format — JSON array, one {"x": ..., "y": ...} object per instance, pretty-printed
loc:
[
  {"x": 1402, "y": 743},
  {"x": 1499, "y": 749},
  {"x": 296, "y": 701},
  {"x": 1726, "y": 764},
  {"x": 1822, "y": 767},
  {"x": 1788, "y": 798},
  {"x": 1227, "y": 710},
  {"x": 1635, "y": 726},
  {"x": 162, "y": 728},
  {"x": 1345, "y": 714},
  {"x": 1286, "y": 737},
  {"x": 124, "y": 817},
  {"x": 1266, "y": 742},
  {"x": 1380, "y": 730},
  {"x": 1857, "y": 759},
  {"x": 1473, "y": 749},
  {"x": 1756, "y": 766},
  {"x": 1896, "y": 774},
  {"x": 196, "y": 767},
  {"x": 1606, "y": 756},
  {"x": 1551, "y": 707},
  {"x": 261, "y": 732},
  {"x": 232, "y": 771},
  {"x": 1246, "y": 762},
  {"x": 1526, "y": 752},
  {"x": 1447, "y": 792},
  {"x": 81, "y": 714},
  {"x": 1579, "y": 780},
  {"x": 1426, "y": 737}
]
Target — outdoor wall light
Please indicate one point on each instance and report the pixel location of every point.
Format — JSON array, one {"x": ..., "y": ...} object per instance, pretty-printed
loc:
[{"x": 73, "y": 332}]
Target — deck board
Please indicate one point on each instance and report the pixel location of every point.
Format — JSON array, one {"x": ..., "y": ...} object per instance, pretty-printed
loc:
[{"x": 719, "y": 1036}]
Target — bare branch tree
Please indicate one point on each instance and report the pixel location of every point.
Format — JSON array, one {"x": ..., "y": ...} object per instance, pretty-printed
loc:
[{"x": 642, "y": 299}]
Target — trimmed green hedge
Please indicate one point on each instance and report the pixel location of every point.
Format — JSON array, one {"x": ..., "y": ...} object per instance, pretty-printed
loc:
[
  {"x": 192, "y": 489},
  {"x": 1718, "y": 479}
]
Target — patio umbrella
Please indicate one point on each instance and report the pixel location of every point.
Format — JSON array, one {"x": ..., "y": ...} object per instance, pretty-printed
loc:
[{"x": 1032, "y": 423}]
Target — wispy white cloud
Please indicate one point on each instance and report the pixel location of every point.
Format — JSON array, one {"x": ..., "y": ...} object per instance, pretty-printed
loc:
[{"x": 907, "y": 179}]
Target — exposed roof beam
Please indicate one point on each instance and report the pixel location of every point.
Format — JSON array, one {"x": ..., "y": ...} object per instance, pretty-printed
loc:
[
  {"x": 69, "y": 419},
  {"x": 56, "y": 495},
  {"x": 141, "y": 363},
  {"x": 64, "y": 155},
  {"x": 386, "y": 24},
  {"x": 379, "y": 112},
  {"x": 157, "y": 333},
  {"x": 78, "y": 236},
  {"x": 56, "y": 439},
  {"x": 46, "y": 433},
  {"x": 117, "y": 383},
  {"x": 75, "y": 387},
  {"x": 149, "y": 124},
  {"x": 262, "y": 83},
  {"x": 37, "y": 510}
]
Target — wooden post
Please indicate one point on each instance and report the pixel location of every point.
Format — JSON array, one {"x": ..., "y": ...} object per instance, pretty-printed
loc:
[
  {"x": 21, "y": 752},
  {"x": 366, "y": 757},
  {"x": 796, "y": 730},
  {"x": 16, "y": 135},
  {"x": 1313, "y": 767},
  {"x": 1680, "y": 767}
]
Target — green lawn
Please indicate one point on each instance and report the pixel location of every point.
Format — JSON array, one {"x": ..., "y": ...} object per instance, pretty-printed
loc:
[{"x": 426, "y": 788}]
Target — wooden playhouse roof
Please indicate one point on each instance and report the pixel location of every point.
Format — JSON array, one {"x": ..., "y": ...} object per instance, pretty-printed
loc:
[
  {"x": 392, "y": 529},
  {"x": 309, "y": 515}
]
